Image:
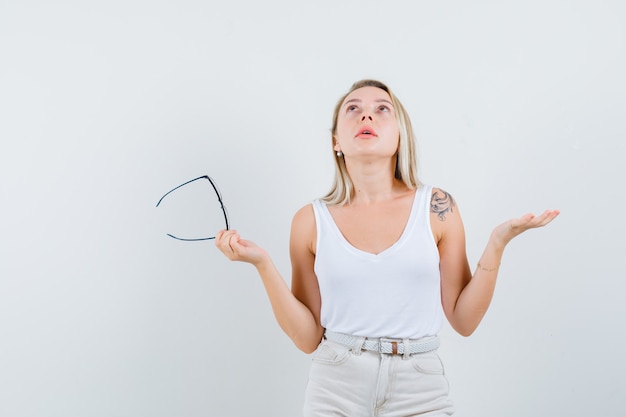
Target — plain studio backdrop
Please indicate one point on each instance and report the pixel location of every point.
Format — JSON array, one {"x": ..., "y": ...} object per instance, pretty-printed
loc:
[{"x": 518, "y": 106}]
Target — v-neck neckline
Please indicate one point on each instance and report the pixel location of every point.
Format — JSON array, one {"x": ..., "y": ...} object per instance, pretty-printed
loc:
[{"x": 385, "y": 252}]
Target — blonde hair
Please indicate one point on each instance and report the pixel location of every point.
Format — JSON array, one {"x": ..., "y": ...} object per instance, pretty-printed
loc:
[{"x": 406, "y": 157}]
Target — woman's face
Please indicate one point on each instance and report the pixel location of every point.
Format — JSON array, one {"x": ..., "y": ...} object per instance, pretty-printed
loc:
[{"x": 366, "y": 124}]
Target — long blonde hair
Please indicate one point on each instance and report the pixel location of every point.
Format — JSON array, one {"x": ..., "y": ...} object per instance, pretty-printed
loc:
[{"x": 406, "y": 157}]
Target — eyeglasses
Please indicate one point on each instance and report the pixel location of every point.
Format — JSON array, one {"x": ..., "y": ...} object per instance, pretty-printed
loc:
[{"x": 219, "y": 198}]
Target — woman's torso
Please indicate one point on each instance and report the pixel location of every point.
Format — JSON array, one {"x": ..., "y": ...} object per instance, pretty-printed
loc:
[{"x": 378, "y": 269}]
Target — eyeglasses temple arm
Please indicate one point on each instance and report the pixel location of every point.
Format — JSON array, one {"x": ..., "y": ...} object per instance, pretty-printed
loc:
[
  {"x": 219, "y": 197},
  {"x": 176, "y": 188},
  {"x": 190, "y": 240}
]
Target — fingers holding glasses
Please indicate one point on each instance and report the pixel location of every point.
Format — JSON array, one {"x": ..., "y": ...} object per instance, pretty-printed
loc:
[
  {"x": 223, "y": 241},
  {"x": 230, "y": 243}
]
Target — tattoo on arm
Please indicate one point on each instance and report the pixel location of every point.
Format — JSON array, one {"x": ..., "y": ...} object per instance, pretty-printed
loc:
[{"x": 441, "y": 203}]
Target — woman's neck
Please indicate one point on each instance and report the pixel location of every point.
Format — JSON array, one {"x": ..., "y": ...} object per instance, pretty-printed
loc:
[{"x": 374, "y": 183}]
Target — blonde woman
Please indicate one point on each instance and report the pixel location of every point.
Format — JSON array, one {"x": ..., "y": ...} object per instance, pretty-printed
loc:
[{"x": 376, "y": 265}]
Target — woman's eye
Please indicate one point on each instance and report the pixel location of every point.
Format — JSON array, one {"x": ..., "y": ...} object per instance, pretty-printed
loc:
[
  {"x": 383, "y": 108},
  {"x": 352, "y": 108}
]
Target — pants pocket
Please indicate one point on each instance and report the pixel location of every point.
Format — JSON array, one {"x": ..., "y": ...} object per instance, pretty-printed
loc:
[
  {"x": 331, "y": 353},
  {"x": 428, "y": 363}
]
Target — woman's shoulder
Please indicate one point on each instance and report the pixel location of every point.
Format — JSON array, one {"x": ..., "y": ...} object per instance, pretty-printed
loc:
[
  {"x": 303, "y": 228},
  {"x": 305, "y": 215},
  {"x": 442, "y": 204},
  {"x": 438, "y": 193}
]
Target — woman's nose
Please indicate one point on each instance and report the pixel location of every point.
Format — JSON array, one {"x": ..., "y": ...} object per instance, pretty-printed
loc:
[{"x": 365, "y": 117}]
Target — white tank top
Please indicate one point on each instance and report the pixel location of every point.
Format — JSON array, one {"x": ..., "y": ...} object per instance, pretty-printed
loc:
[{"x": 395, "y": 293}]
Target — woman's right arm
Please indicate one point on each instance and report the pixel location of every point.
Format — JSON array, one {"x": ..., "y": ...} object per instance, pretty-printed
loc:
[{"x": 296, "y": 312}]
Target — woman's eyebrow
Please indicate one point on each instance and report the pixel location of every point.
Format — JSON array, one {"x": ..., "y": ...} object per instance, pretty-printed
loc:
[
  {"x": 353, "y": 100},
  {"x": 358, "y": 100}
]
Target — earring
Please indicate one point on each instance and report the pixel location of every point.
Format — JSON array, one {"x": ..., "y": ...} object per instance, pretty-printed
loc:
[{"x": 339, "y": 154}]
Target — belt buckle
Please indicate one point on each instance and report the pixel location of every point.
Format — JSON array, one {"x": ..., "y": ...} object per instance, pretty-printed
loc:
[{"x": 394, "y": 346}]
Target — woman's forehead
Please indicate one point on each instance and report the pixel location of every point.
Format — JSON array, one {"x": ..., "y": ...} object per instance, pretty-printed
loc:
[{"x": 368, "y": 93}]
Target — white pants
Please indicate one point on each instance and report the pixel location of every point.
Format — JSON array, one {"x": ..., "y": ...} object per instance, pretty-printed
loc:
[{"x": 369, "y": 384}]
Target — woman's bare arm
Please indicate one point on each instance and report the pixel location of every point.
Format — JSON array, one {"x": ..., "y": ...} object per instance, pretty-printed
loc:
[
  {"x": 292, "y": 310},
  {"x": 466, "y": 296}
]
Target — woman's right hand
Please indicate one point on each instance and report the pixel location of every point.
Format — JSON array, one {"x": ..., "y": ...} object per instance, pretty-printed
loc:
[{"x": 237, "y": 249}]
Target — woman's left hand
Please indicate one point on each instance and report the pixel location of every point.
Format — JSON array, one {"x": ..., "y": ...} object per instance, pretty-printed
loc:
[{"x": 505, "y": 232}]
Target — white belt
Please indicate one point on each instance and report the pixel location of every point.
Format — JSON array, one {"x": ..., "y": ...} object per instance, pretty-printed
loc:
[{"x": 384, "y": 345}]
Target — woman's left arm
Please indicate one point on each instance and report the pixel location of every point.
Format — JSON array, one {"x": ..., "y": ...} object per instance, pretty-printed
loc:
[{"x": 466, "y": 296}]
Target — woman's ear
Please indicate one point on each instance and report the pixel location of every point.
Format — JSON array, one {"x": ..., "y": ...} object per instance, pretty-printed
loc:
[{"x": 336, "y": 146}]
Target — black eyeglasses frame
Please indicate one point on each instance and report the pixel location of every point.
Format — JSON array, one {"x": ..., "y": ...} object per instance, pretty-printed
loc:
[{"x": 219, "y": 198}]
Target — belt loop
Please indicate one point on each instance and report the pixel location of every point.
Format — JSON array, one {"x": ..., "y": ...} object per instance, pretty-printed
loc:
[
  {"x": 407, "y": 348},
  {"x": 358, "y": 346}
]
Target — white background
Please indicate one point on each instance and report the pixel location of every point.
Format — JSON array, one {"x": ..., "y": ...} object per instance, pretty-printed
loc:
[{"x": 519, "y": 106}]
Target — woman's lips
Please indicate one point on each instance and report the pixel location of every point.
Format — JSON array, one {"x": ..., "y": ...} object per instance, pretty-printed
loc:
[{"x": 366, "y": 131}]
